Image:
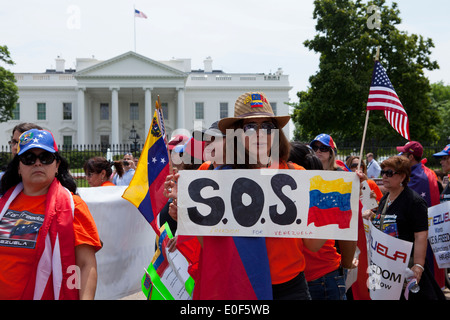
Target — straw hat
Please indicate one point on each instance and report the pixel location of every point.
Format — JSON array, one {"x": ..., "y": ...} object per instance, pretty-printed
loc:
[{"x": 252, "y": 105}]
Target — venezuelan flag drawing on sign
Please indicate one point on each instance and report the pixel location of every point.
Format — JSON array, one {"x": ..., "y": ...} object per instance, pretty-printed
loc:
[
  {"x": 329, "y": 202},
  {"x": 146, "y": 188}
]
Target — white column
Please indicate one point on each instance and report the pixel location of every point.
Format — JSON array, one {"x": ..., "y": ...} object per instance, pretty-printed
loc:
[
  {"x": 148, "y": 109},
  {"x": 180, "y": 109},
  {"x": 114, "y": 115},
  {"x": 81, "y": 138}
]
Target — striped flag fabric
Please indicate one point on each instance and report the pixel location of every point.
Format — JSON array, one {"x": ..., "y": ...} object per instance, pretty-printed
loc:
[
  {"x": 139, "y": 14},
  {"x": 145, "y": 190},
  {"x": 382, "y": 96}
]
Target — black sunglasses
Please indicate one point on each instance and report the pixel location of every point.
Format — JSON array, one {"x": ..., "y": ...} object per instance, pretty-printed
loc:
[
  {"x": 389, "y": 173},
  {"x": 29, "y": 158},
  {"x": 322, "y": 148},
  {"x": 268, "y": 126}
]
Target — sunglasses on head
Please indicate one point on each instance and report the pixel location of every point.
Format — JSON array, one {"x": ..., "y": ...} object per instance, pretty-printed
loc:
[
  {"x": 268, "y": 126},
  {"x": 322, "y": 148},
  {"x": 29, "y": 158},
  {"x": 389, "y": 173}
]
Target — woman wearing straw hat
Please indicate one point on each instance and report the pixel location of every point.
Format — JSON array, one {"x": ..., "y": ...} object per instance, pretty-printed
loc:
[{"x": 275, "y": 269}]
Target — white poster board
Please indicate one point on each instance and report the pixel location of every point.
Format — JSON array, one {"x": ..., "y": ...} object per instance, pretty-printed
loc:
[
  {"x": 269, "y": 203},
  {"x": 439, "y": 233},
  {"x": 388, "y": 259},
  {"x": 128, "y": 242}
]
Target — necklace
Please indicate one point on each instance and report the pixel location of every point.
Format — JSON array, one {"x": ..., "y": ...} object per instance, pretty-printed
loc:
[{"x": 389, "y": 200}]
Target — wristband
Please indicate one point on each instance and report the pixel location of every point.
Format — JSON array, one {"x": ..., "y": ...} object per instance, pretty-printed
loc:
[{"x": 418, "y": 265}]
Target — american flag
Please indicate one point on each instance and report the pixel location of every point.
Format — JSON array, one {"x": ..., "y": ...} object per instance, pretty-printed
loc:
[
  {"x": 139, "y": 14},
  {"x": 382, "y": 96}
]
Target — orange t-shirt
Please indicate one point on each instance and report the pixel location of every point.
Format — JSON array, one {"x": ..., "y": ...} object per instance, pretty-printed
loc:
[
  {"x": 285, "y": 255},
  {"x": 107, "y": 183},
  {"x": 320, "y": 263},
  {"x": 19, "y": 229}
]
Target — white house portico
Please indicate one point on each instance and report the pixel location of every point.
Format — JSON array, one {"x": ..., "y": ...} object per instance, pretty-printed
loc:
[
  {"x": 101, "y": 102},
  {"x": 131, "y": 83}
]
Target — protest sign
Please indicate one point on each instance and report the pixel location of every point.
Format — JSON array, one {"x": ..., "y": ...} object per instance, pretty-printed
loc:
[
  {"x": 128, "y": 242},
  {"x": 167, "y": 278},
  {"x": 439, "y": 233},
  {"x": 269, "y": 203},
  {"x": 388, "y": 259}
]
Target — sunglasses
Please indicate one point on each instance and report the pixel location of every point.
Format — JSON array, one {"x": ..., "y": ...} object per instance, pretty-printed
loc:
[
  {"x": 389, "y": 173},
  {"x": 268, "y": 126},
  {"x": 13, "y": 142},
  {"x": 29, "y": 158},
  {"x": 322, "y": 148}
]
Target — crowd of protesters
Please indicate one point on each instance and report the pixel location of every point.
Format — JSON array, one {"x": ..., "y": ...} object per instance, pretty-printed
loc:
[{"x": 37, "y": 184}]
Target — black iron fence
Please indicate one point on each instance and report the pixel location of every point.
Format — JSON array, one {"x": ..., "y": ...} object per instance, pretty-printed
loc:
[{"x": 77, "y": 155}]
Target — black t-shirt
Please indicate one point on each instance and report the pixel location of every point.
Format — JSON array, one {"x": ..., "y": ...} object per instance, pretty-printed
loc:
[{"x": 405, "y": 216}]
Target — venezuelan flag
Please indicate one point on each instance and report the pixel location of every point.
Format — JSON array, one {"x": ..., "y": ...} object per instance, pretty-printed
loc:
[
  {"x": 146, "y": 188},
  {"x": 329, "y": 202}
]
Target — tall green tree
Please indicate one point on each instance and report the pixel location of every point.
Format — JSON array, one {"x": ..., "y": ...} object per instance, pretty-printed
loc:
[
  {"x": 8, "y": 89},
  {"x": 440, "y": 98},
  {"x": 347, "y": 39}
]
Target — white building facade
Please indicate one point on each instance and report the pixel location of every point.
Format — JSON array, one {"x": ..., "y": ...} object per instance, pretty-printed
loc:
[{"x": 100, "y": 102}]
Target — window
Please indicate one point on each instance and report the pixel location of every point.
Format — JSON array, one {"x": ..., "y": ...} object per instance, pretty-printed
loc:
[
  {"x": 67, "y": 143},
  {"x": 199, "y": 110},
  {"x": 223, "y": 110},
  {"x": 165, "y": 110},
  {"x": 67, "y": 110},
  {"x": 16, "y": 112},
  {"x": 134, "y": 111},
  {"x": 274, "y": 107},
  {"x": 41, "y": 111},
  {"x": 104, "y": 111}
]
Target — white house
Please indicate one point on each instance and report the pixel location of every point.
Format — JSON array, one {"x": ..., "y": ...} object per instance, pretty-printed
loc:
[{"x": 102, "y": 101}]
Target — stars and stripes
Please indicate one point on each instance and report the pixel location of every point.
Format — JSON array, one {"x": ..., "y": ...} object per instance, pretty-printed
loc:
[
  {"x": 139, "y": 14},
  {"x": 382, "y": 96}
]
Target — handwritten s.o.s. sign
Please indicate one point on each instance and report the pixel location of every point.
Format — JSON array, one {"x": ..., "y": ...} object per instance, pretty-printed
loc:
[{"x": 268, "y": 203}]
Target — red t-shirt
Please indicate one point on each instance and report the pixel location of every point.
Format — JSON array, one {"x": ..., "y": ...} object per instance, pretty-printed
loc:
[
  {"x": 320, "y": 263},
  {"x": 19, "y": 230}
]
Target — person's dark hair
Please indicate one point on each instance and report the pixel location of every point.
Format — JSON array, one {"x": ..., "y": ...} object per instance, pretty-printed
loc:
[
  {"x": 12, "y": 177},
  {"x": 97, "y": 164},
  {"x": 25, "y": 126},
  {"x": 401, "y": 165},
  {"x": 303, "y": 155}
]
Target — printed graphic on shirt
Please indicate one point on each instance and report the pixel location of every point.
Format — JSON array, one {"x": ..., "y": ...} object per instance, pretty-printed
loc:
[
  {"x": 20, "y": 229},
  {"x": 389, "y": 224}
]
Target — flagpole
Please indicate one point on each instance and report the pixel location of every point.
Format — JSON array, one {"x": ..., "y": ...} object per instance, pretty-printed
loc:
[
  {"x": 134, "y": 15},
  {"x": 158, "y": 106},
  {"x": 377, "y": 57}
]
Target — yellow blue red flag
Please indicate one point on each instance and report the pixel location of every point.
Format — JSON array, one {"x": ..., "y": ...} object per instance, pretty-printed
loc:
[{"x": 145, "y": 190}]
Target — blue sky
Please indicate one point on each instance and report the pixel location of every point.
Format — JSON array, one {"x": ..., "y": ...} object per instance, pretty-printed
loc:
[{"x": 240, "y": 36}]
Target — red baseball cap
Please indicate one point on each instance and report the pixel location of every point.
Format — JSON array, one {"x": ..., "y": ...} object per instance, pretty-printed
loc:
[{"x": 412, "y": 147}]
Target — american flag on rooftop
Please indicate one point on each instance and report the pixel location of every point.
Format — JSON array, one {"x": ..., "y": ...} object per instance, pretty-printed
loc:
[{"x": 382, "y": 96}]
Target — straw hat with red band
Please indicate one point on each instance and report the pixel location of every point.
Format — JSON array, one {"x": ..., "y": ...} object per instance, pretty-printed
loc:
[
  {"x": 252, "y": 105},
  {"x": 35, "y": 138}
]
